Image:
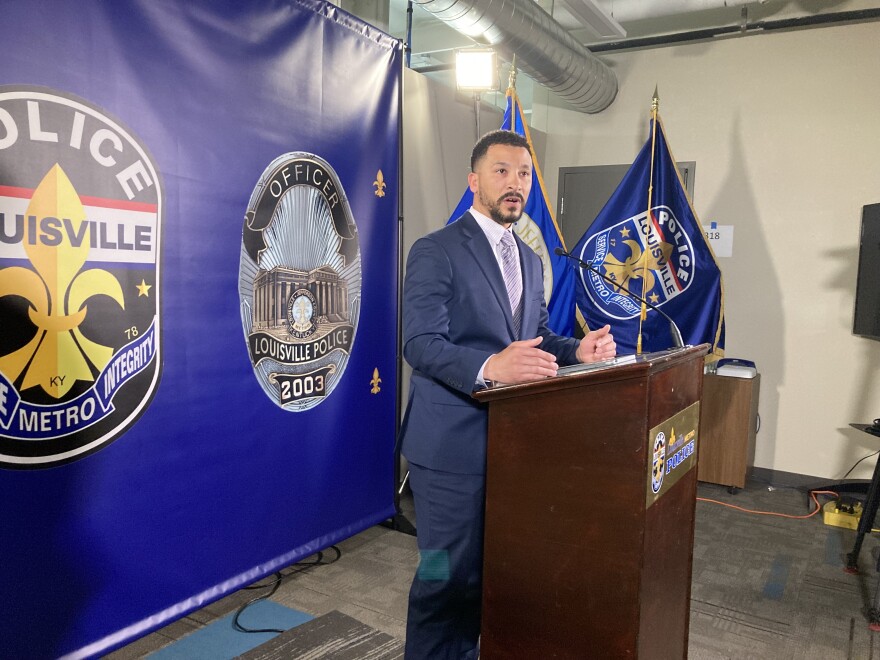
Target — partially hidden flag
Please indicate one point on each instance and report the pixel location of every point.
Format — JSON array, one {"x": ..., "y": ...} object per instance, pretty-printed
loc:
[
  {"x": 538, "y": 229},
  {"x": 648, "y": 239}
]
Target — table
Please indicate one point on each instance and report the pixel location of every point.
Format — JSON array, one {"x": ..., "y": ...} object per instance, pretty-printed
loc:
[{"x": 728, "y": 424}]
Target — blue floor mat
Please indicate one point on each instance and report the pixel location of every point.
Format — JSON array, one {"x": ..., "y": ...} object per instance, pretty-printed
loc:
[{"x": 220, "y": 641}]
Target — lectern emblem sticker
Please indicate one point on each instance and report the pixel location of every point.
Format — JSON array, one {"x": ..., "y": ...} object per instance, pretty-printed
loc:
[
  {"x": 672, "y": 445},
  {"x": 80, "y": 221},
  {"x": 299, "y": 280},
  {"x": 658, "y": 462}
]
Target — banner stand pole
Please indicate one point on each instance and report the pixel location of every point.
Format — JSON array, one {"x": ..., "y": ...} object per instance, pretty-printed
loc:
[{"x": 398, "y": 521}]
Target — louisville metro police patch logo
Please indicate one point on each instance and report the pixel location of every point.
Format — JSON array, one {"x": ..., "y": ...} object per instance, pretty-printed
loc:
[
  {"x": 658, "y": 462},
  {"x": 80, "y": 220},
  {"x": 299, "y": 280},
  {"x": 651, "y": 256}
]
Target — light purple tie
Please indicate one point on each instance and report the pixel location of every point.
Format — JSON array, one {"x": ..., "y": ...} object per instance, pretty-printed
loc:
[{"x": 512, "y": 278}]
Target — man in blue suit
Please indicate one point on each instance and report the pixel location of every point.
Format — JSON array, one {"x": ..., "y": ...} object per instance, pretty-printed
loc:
[{"x": 473, "y": 314}]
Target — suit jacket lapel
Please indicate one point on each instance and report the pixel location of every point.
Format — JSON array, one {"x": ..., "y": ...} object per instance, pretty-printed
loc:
[{"x": 483, "y": 254}]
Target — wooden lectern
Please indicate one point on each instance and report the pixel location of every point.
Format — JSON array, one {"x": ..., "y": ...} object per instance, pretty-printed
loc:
[{"x": 590, "y": 499}]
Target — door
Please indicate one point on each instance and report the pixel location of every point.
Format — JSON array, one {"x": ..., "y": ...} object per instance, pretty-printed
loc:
[{"x": 583, "y": 192}]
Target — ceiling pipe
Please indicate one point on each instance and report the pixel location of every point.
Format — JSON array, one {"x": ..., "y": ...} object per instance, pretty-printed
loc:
[
  {"x": 798, "y": 22},
  {"x": 544, "y": 49},
  {"x": 626, "y": 11}
]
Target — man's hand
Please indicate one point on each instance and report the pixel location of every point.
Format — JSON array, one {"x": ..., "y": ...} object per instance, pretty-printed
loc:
[
  {"x": 597, "y": 345},
  {"x": 521, "y": 361}
]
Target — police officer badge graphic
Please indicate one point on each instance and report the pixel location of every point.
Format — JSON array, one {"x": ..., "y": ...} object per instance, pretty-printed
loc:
[
  {"x": 299, "y": 280},
  {"x": 648, "y": 254},
  {"x": 80, "y": 220}
]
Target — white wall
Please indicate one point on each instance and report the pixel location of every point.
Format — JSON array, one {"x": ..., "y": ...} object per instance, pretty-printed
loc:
[
  {"x": 785, "y": 131},
  {"x": 439, "y": 132}
]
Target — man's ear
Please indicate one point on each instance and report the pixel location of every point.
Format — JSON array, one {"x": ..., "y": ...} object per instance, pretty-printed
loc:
[{"x": 472, "y": 181}]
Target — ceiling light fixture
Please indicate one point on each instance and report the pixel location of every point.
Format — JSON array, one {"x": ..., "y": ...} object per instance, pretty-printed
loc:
[{"x": 476, "y": 70}]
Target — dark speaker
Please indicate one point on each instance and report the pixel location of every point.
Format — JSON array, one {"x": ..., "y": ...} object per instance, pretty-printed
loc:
[{"x": 866, "y": 318}]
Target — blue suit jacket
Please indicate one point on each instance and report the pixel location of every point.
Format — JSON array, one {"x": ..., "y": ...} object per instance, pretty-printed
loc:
[{"x": 455, "y": 315}]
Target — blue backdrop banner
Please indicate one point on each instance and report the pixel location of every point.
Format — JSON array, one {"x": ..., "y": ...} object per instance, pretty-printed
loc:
[
  {"x": 538, "y": 229},
  {"x": 648, "y": 239},
  {"x": 198, "y": 286}
]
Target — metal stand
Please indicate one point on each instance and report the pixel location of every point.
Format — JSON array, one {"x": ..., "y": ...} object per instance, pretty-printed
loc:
[
  {"x": 869, "y": 512},
  {"x": 874, "y": 611},
  {"x": 399, "y": 522},
  {"x": 866, "y": 523}
]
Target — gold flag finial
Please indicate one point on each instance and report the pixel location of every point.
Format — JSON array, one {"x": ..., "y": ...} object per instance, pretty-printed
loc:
[
  {"x": 511, "y": 79},
  {"x": 655, "y": 101}
]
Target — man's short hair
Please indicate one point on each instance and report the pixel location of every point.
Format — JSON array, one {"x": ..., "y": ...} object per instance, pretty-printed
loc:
[{"x": 507, "y": 138}]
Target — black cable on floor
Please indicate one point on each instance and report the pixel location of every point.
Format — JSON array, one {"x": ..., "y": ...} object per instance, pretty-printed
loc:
[
  {"x": 280, "y": 576},
  {"x": 240, "y": 628}
]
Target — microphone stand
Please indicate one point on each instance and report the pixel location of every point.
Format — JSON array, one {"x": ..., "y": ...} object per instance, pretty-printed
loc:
[{"x": 586, "y": 265}]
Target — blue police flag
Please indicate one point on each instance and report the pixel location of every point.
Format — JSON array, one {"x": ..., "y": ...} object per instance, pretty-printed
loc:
[
  {"x": 648, "y": 239},
  {"x": 538, "y": 229}
]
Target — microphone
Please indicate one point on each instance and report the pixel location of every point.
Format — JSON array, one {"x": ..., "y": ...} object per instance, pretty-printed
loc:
[{"x": 586, "y": 265}]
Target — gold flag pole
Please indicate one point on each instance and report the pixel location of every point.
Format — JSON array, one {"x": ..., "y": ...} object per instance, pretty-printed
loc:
[
  {"x": 511, "y": 79},
  {"x": 655, "y": 105}
]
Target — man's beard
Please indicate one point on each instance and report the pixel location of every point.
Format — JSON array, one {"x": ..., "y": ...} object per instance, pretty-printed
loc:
[{"x": 498, "y": 215}]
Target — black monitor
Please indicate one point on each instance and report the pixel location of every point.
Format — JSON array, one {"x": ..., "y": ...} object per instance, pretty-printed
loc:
[{"x": 866, "y": 317}]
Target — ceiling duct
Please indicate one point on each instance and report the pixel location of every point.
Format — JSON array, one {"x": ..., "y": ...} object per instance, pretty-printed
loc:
[{"x": 544, "y": 50}]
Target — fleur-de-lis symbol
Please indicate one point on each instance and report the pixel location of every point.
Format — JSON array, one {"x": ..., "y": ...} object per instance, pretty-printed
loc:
[
  {"x": 302, "y": 314},
  {"x": 633, "y": 267},
  {"x": 57, "y": 289},
  {"x": 375, "y": 382},
  {"x": 380, "y": 184}
]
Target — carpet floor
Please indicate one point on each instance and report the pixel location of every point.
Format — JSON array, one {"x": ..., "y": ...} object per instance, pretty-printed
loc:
[{"x": 764, "y": 587}]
